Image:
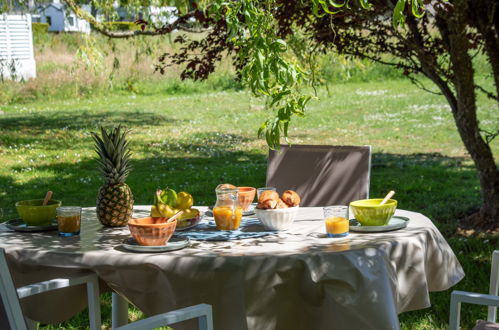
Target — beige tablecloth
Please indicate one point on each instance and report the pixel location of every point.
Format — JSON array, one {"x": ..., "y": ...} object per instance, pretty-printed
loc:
[{"x": 297, "y": 279}]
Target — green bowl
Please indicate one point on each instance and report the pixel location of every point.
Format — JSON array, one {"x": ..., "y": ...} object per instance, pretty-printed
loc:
[
  {"x": 36, "y": 214},
  {"x": 368, "y": 212}
]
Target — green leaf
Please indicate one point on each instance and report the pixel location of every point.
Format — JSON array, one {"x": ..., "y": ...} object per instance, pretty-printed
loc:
[
  {"x": 418, "y": 9},
  {"x": 398, "y": 13},
  {"x": 365, "y": 4}
]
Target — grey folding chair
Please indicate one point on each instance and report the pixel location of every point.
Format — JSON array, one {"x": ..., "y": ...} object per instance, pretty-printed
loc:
[
  {"x": 203, "y": 312},
  {"x": 321, "y": 175},
  {"x": 11, "y": 315},
  {"x": 491, "y": 300}
]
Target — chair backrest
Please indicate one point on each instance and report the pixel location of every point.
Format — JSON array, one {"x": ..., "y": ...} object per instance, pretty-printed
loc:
[
  {"x": 11, "y": 316},
  {"x": 321, "y": 175}
]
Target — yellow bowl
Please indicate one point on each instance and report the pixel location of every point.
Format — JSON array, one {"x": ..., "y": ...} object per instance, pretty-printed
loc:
[
  {"x": 368, "y": 212},
  {"x": 36, "y": 214}
]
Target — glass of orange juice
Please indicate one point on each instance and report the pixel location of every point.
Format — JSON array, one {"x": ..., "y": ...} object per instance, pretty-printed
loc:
[
  {"x": 69, "y": 221},
  {"x": 227, "y": 211},
  {"x": 336, "y": 219}
]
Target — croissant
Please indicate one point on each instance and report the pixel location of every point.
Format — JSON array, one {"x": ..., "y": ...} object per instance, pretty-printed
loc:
[
  {"x": 281, "y": 204},
  {"x": 291, "y": 198},
  {"x": 268, "y": 200}
]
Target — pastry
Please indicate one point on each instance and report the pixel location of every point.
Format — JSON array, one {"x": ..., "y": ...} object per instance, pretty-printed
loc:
[
  {"x": 268, "y": 200},
  {"x": 281, "y": 204},
  {"x": 291, "y": 198}
]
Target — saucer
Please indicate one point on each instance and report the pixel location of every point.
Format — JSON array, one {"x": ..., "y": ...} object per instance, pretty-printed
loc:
[
  {"x": 175, "y": 243},
  {"x": 395, "y": 223},
  {"x": 20, "y": 225}
]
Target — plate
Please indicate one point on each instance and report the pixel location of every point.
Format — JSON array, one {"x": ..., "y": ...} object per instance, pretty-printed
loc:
[
  {"x": 395, "y": 223},
  {"x": 250, "y": 211},
  {"x": 20, "y": 225},
  {"x": 175, "y": 243},
  {"x": 193, "y": 222}
]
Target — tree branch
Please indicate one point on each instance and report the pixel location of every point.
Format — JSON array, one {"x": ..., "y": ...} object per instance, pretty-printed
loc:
[
  {"x": 490, "y": 95},
  {"x": 178, "y": 24}
]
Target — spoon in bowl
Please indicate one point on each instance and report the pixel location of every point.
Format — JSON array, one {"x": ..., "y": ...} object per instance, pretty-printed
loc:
[
  {"x": 48, "y": 196},
  {"x": 175, "y": 216},
  {"x": 387, "y": 197}
]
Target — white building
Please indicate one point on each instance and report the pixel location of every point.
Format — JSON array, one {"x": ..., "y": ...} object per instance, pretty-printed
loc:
[
  {"x": 16, "y": 47},
  {"x": 61, "y": 19}
]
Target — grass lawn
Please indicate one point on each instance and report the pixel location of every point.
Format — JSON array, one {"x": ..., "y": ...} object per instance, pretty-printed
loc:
[{"x": 193, "y": 142}]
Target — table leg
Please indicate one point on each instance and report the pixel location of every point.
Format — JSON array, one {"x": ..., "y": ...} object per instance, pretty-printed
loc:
[{"x": 120, "y": 310}]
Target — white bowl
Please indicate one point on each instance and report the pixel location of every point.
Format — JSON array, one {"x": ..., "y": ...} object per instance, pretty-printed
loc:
[{"x": 277, "y": 219}]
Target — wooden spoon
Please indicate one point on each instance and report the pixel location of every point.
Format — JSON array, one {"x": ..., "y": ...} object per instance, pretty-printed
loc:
[
  {"x": 48, "y": 196},
  {"x": 179, "y": 213},
  {"x": 387, "y": 197}
]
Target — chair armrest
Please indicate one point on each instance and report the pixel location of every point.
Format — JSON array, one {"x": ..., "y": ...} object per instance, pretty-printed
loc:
[
  {"x": 179, "y": 315},
  {"x": 475, "y": 298},
  {"x": 458, "y": 297},
  {"x": 92, "y": 283},
  {"x": 58, "y": 283}
]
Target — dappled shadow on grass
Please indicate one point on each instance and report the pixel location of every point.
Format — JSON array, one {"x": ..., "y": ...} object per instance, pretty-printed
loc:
[
  {"x": 388, "y": 160},
  {"x": 38, "y": 122},
  {"x": 439, "y": 186}
]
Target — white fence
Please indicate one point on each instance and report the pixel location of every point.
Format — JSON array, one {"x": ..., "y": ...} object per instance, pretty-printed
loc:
[{"x": 16, "y": 47}]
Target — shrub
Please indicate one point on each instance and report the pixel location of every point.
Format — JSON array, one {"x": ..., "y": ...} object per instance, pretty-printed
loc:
[
  {"x": 39, "y": 28},
  {"x": 41, "y": 37},
  {"x": 122, "y": 26}
]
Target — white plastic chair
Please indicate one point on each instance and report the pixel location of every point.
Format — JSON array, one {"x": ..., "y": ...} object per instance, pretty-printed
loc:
[
  {"x": 11, "y": 315},
  {"x": 491, "y": 299},
  {"x": 10, "y": 306},
  {"x": 203, "y": 312}
]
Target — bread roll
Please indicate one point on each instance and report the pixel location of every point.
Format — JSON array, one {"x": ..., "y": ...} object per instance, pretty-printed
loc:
[
  {"x": 268, "y": 200},
  {"x": 291, "y": 198},
  {"x": 281, "y": 204}
]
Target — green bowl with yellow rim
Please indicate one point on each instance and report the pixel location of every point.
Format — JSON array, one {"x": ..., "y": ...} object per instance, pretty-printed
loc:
[
  {"x": 36, "y": 214},
  {"x": 368, "y": 212}
]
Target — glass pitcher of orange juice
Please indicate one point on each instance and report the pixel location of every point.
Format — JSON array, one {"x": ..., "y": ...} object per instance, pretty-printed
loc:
[{"x": 227, "y": 211}]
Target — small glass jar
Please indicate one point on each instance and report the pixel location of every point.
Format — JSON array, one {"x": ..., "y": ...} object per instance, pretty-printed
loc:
[
  {"x": 227, "y": 210},
  {"x": 336, "y": 220},
  {"x": 69, "y": 220}
]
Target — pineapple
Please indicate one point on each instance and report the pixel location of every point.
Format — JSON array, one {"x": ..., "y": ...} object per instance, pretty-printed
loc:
[{"x": 115, "y": 199}]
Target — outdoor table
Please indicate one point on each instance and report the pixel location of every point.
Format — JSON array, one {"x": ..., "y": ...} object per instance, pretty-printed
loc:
[{"x": 297, "y": 279}]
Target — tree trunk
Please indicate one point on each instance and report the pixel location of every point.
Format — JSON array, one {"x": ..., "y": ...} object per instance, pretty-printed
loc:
[{"x": 465, "y": 112}]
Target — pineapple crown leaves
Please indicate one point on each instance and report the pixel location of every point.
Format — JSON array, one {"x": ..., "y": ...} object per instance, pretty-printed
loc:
[{"x": 114, "y": 154}]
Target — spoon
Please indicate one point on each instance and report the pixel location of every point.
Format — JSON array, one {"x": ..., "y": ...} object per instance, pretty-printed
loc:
[
  {"x": 387, "y": 197},
  {"x": 48, "y": 196},
  {"x": 179, "y": 213}
]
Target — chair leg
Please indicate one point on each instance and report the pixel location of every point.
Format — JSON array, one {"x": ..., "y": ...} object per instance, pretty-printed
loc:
[
  {"x": 94, "y": 304},
  {"x": 494, "y": 285},
  {"x": 119, "y": 311},
  {"x": 30, "y": 324},
  {"x": 205, "y": 322},
  {"x": 455, "y": 313}
]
